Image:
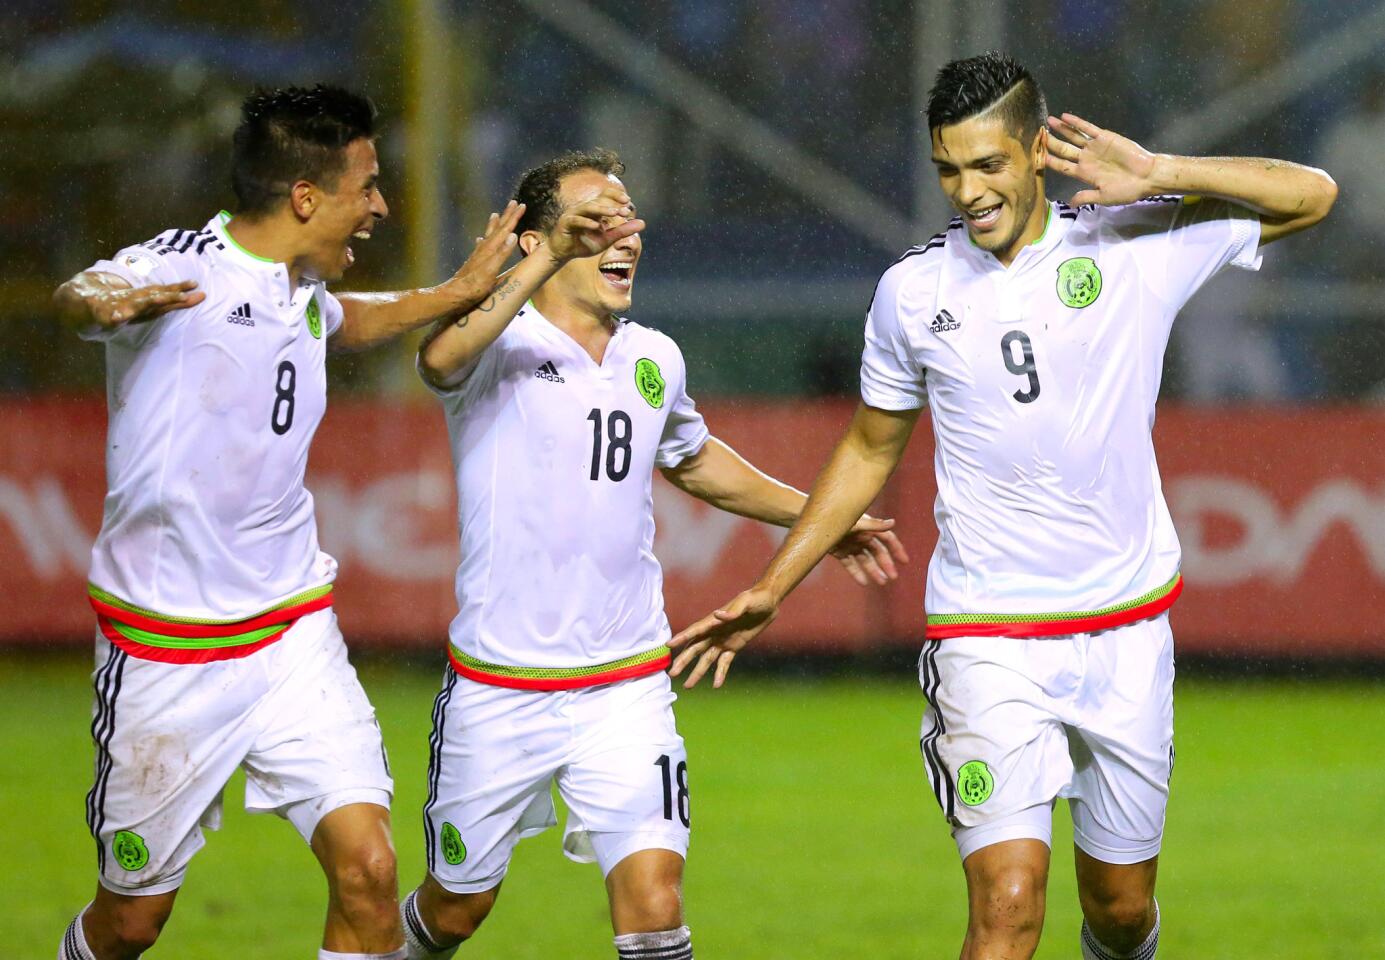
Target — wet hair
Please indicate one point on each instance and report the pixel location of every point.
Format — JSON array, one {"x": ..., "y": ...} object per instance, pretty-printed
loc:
[
  {"x": 291, "y": 134},
  {"x": 967, "y": 88},
  {"x": 538, "y": 188}
]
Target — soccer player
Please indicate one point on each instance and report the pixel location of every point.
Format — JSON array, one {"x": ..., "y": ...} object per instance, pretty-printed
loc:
[
  {"x": 559, "y": 412},
  {"x": 1035, "y": 331},
  {"x": 217, "y": 645}
]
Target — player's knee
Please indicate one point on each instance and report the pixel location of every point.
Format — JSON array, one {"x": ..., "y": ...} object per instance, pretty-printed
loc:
[
  {"x": 457, "y": 916},
  {"x": 1120, "y": 920},
  {"x": 658, "y": 906},
  {"x": 366, "y": 880},
  {"x": 1011, "y": 898},
  {"x": 135, "y": 927}
]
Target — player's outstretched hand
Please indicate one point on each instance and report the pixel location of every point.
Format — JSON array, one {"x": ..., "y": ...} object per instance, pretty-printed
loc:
[
  {"x": 1116, "y": 167},
  {"x": 870, "y": 550},
  {"x": 476, "y": 278},
  {"x": 114, "y": 306},
  {"x": 717, "y": 638},
  {"x": 592, "y": 226}
]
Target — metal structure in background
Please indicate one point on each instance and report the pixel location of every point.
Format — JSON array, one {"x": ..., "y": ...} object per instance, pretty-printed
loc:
[
  {"x": 429, "y": 113},
  {"x": 727, "y": 123},
  {"x": 1314, "y": 63},
  {"x": 944, "y": 30}
]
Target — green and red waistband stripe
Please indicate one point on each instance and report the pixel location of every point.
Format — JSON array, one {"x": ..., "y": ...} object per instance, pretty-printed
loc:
[
  {"x": 558, "y": 678},
  {"x": 147, "y": 635},
  {"x": 1151, "y": 604}
]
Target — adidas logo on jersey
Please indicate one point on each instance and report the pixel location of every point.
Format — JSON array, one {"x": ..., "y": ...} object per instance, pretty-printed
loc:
[
  {"x": 549, "y": 372},
  {"x": 241, "y": 315},
  {"x": 944, "y": 323}
]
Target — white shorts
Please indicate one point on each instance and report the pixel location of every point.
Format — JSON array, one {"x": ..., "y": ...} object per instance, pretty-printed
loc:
[
  {"x": 496, "y": 752},
  {"x": 169, "y": 736},
  {"x": 1012, "y": 724}
]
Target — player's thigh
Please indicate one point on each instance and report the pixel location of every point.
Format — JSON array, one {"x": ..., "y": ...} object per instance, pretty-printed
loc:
[
  {"x": 1122, "y": 745},
  {"x": 167, "y": 738},
  {"x": 992, "y": 742},
  {"x": 626, "y": 783},
  {"x": 319, "y": 747},
  {"x": 493, "y": 754},
  {"x": 353, "y": 844}
]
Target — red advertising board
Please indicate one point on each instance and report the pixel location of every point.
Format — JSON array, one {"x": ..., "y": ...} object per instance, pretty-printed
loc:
[{"x": 1281, "y": 514}]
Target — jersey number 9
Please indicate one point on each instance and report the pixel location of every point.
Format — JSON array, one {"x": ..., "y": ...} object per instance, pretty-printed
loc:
[{"x": 1018, "y": 367}]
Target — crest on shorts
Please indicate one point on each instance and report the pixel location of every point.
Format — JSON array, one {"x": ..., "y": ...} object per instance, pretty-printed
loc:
[
  {"x": 1079, "y": 282},
  {"x": 453, "y": 850},
  {"x": 129, "y": 849},
  {"x": 314, "y": 319},
  {"x": 974, "y": 782},
  {"x": 649, "y": 382}
]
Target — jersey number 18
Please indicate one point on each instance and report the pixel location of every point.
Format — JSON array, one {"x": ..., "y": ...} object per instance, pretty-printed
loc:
[{"x": 618, "y": 433}]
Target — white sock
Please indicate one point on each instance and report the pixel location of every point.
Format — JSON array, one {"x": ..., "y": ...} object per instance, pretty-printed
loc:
[
  {"x": 1094, "y": 949},
  {"x": 399, "y": 954},
  {"x": 74, "y": 945},
  {"x": 419, "y": 943},
  {"x": 662, "y": 945}
]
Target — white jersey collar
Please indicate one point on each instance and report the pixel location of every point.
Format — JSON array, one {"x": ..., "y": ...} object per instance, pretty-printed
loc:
[{"x": 1060, "y": 217}]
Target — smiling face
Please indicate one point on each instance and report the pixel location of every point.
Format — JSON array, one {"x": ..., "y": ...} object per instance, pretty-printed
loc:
[
  {"x": 601, "y": 285},
  {"x": 994, "y": 180},
  {"x": 341, "y": 210}
]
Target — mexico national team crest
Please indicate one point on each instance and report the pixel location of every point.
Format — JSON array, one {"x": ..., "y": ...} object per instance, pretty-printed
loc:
[
  {"x": 974, "y": 782},
  {"x": 314, "y": 319},
  {"x": 1079, "y": 282},
  {"x": 129, "y": 849},
  {"x": 453, "y": 850},
  {"x": 649, "y": 382}
]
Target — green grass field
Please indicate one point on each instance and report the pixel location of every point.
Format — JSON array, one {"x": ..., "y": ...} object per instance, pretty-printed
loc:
[{"x": 815, "y": 833}]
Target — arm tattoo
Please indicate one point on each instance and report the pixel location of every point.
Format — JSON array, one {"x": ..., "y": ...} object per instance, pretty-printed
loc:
[{"x": 505, "y": 289}]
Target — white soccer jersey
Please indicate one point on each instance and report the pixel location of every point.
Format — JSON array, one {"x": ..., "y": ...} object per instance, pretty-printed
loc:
[
  {"x": 1042, "y": 379},
  {"x": 558, "y": 584},
  {"x": 212, "y": 410}
]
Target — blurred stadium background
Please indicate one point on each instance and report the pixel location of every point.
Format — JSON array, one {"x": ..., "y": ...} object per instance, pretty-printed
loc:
[{"x": 778, "y": 150}]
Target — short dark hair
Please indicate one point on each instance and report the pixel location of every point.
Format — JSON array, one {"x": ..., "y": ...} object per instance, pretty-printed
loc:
[
  {"x": 537, "y": 189},
  {"x": 965, "y": 88},
  {"x": 291, "y": 134}
]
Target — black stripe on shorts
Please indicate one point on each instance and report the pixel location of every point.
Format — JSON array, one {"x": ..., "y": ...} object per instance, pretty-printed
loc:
[{"x": 435, "y": 763}]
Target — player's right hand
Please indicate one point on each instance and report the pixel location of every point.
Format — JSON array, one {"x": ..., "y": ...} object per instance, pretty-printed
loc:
[
  {"x": 115, "y": 306},
  {"x": 476, "y": 278},
  {"x": 717, "y": 638},
  {"x": 592, "y": 226}
]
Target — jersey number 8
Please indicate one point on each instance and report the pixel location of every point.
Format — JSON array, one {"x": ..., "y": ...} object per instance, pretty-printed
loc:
[{"x": 281, "y": 417}]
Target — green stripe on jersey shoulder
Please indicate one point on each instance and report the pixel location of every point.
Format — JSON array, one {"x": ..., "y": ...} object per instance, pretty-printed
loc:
[
  {"x": 556, "y": 673},
  {"x": 944, "y": 619}
]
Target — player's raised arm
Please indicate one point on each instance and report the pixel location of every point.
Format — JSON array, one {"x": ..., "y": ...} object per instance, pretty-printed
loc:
[
  {"x": 1289, "y": 197},
  {"x": 103, "y": 301},
  {"x": 369, "y": 319},
  {"x": 720, "y": 476},
  {"x": 853, "y": 477},
  {"x": 586, "y": 229}
]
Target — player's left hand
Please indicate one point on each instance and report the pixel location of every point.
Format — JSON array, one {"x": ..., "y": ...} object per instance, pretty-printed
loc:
[
  {"x": 477, "y": 277},
  {"x": 718, "y": 637},
  {"x": 870, "y": 550},
  {"x": 1117, "y": 168}
]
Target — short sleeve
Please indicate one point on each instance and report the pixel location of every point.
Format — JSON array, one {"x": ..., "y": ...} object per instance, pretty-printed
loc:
[
  {"x": 139, "y": 267},
  {"x": 1198, "y": 237},
  {"x": 332, "y": 313},
  {"x": 685, "y": 431},
  {"x": 477, "y": 375},
  {"x": 891, "y": 376}
]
